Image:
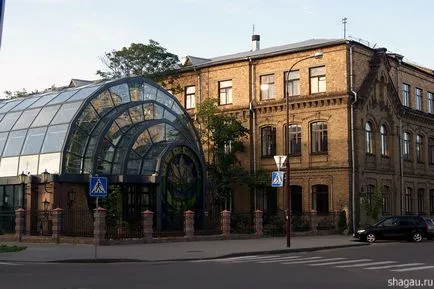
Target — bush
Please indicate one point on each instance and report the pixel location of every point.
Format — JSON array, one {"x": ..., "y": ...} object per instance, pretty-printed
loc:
[{"x": 342, "y": 223}]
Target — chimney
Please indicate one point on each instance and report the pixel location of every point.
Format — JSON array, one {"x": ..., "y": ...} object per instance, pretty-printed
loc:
[{"x": 255, "y": 42}]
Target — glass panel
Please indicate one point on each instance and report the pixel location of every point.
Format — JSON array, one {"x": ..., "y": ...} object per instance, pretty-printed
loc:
[
  {"x": 177, "y": 109},
  {"x": 136, "y": 114},
  {"x": 114, "y": 133},
  {"x": 78, "y": 139},
  {"x": 66, "y": 112},
  {"x": 172, "y": 133},
  {"x": 9, "y": 105},
  {"x": 3, "y": 137},
  {"x": 120, "y": 94},
  {"x": 88, "y": 119},
  {"x": 84, "y": 93},
  {"x": 136, "y": 91},
  {"x": 54, "y": 139},
  {"x": 107, "y": 150},
  {"x": 104, "y": 168},
  {"x": 29, "y": 164},
  {"x": 63, "y": 96},
  {"x": 142, "y": 143},
  {"x": 49, "y": 162},
  {"x": 34, "y": 140},
  {"x": 25, "y": 103},
  {"x": 124, "y": 121},
  {"x": 149, "y": 92},
  {"x": 148, "y": 111},
  {"x": 45, "y": 116},
  {"x": 43, "y": 100},
  {"x": 26, "y": 119},
  {"x": 9, "y": 120},
  {"x": 9, "y": 167},
  {"x": 165, "y": 99},
  {"x": 169, "y": 116},
  {"x": 14, "y": 143},
  {"x": 133, "y": 167},
  {"x": 102, "y": 103},
  {"x": 158, "y": 112},
  {"x": 73, "y": 164},
  {"x": 157, "y": 132}
]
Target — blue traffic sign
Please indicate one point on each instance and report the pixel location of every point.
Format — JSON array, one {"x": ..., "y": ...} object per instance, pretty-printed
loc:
[
  {"x": 98, "y": 187},
  {"x": 277, "y": 179}
]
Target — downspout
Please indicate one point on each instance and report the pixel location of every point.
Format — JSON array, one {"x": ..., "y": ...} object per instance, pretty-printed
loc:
[
  {"x": 353, "y": 167},
  {"x": 401, "y": 148},
  {"x": 252, "y": 111}
]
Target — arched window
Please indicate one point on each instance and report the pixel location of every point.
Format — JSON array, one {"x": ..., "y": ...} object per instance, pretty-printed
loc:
[
  {"x": 387, "y": 204},
  {"x": 268, "y": 141},
  {"x": 407, "y": 146},
  {"x": 320, "y": 198},
  {"x": 419, "y": 149},
  {"x": 420, "y": 201},
  {"x": 384, "y": 144},
  {"x": 319, "y": 137},
  {"x": 369, "y": 138},
  {"x": 408, "y": 201},
  {"x": 294, "y": 139}
]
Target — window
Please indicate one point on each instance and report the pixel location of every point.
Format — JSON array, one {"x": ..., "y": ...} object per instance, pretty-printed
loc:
[
  {"x": 370, "y": 190},
  {"x": 431, "y": 201},
  {"x": 225, "y": 92},
  {"x": 267, "y": 200},
  {"x": 390, "y": 222},
  {"x": 430, "y": 103},
  {"x": 292, "y": 81},
  {"x": 319, "y": 137},
  {"x": 384, "y": 146},
  {"x": 419, "y": 148},
  {"x": 431, "y": 151},
  {"x": 369, "y": 138},
  {"x": 408, "y": 200},
  {"x": 407, "y": 146},
  {"x": 386, "y": 206},
  {"x": 296, "y": 200},
  {"x": 320, "y": 198},
  {"x": 405, "y": 94},
  {"x": 418, "y": 99},
  {"x": 317, "y": 79},
  {"x": 268, "y": 140},
  {"x": 420, "y": 201},
  {"x": 190, "y": 100},
  {"x": 267, "y": 86},
  {"x": 294, "y": 139}
]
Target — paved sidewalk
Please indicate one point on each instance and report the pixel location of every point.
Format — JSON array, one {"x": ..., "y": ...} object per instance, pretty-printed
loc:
[{"x": 174, "y": 250}]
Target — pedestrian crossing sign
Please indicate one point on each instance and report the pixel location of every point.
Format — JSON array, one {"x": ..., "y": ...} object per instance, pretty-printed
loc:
[
  {"x": 98, "y": 187},
  {"x": 277, "y": 179}
]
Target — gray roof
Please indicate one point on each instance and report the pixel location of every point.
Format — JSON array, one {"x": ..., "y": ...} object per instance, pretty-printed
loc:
[{"x": 276, "y": 50}]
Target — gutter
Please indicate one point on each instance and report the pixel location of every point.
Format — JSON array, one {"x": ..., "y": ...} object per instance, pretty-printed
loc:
[{"x": 353, "y": 159}]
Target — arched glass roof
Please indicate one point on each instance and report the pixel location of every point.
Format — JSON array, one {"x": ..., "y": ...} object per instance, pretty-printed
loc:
[{"x": 118, "y": 127}]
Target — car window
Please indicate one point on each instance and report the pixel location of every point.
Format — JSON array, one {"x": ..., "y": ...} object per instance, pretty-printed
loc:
[
  {"x": 389, "y": 222},
  {"x": 405, "y": 222}
]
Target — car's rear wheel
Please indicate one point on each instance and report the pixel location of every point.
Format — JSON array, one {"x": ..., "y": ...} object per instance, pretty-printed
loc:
[
  {"x": 417, "y": 236},
  {"x": 371, "y": 238}
]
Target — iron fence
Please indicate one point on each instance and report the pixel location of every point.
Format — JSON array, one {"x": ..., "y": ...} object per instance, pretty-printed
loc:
[
  {"x": 7, "y": 221},
  {"x": 242, "y": 223},
  {"x": 168, "y": 225},
  {"x": 274, "y": 224},
  {"x": 41, "y": 222},
  {"x": 77, "y": 223},
  {"x": 207, "y": 223}
]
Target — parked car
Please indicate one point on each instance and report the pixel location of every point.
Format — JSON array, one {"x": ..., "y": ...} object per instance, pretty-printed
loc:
[
  {"x": 430, "y": 223},
  {"x": 413, "y": 228}
]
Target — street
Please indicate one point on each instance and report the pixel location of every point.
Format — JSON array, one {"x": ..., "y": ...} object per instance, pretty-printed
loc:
[{"x": 358, "y": 267}]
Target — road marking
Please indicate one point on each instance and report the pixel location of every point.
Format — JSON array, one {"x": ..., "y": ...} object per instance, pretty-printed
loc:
[
  {"x": 278, "y": 259},
  {"x": 340, "y": 262},
  {"x": 311, "y": 261},
  {"x": 251, "y": 260},
  {"x": 413, "y": 269},
  {"x": 224, "y": 259},
  {"x": 366, "y": 264},
  {"x": 9, "y": 264},
  {"x": 393, "y": 266}
]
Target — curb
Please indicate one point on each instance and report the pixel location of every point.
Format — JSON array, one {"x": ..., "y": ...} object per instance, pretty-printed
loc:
[{"x": 241, "y": 254}]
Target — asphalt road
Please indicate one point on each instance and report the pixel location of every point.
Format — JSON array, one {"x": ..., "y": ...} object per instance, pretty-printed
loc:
[{"x": 302, "y": 270}]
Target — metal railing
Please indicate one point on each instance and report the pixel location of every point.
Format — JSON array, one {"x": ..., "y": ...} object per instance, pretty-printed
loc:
[{"x": 7, "y": 221}]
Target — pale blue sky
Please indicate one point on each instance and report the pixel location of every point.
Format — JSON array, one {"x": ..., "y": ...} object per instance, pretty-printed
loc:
[{"x": 48, "y": 42}]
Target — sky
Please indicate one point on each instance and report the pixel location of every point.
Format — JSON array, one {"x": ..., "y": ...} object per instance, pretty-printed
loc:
[{"x": 49, "y": 42}]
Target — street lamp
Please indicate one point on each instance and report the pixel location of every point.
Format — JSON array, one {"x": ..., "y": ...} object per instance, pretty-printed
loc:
[
  {"x": 44, "y": 179},
  {"x": 22, "y": 178},
  {"x": 288, "y": 188}
]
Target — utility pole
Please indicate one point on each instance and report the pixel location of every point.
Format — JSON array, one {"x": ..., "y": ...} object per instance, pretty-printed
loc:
[{"x": 344, "y": 21}]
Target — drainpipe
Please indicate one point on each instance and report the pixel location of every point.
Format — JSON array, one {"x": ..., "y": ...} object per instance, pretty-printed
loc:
[
  {"x": 353, "y": 167},
  {"x": 401, "y": 165},
  {"x": 252, "y": 111}
]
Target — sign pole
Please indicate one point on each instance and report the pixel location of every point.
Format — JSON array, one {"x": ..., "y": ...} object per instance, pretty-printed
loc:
[{"x": 96, "y": 239}]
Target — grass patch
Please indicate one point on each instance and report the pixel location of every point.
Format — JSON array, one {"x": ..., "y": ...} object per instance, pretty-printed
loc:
[{"x": 7, "y": 249}]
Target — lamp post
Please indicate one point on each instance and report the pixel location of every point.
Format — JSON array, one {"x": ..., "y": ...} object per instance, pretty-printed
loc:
[
  {"x": 44, "y": 179},
  {"x": 288, "y": 188},
  {"x": 22, "y": 178}
]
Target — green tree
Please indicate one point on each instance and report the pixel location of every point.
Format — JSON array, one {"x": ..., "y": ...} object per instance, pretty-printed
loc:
[
  {"x": 151, "y": 61},
  {"x": 222, "y": 135},
  {"x": 373, "y": 203}
]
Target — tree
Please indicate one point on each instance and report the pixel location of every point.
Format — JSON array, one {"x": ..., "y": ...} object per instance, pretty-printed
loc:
[
  {"x": 148, "y": 60},
  {"x": 373, "y": 203},
  {"x": 223, "y": 136}
]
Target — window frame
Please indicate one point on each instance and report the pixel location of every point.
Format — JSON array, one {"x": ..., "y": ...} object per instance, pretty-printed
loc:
[
  {"x": 320, "y": 77},
  {"x": 295, "y": 137},
  {"x": 225, "y": 90},
  {"x": 190, "y": 97},
  {"x": 406, "y": 94},
  {"x": 319, "y": 137},
  {"x": 383, "y": 141},
  {"x": 418, "y": 96},
  {"x": 430, "y": 102},
  {"x": 408, "y": 200},
  {"x": 431, "y": 150},
  {"x": 267, "y": 80},
  {"x": 406, "y": 146},
  {"x": 268, "y": 141},
  {"x": 292, "y": 82},
  {"x": 420, "y": 201},
  {"x": 419, "y": 148},
  {"x": 369, "y": 138}
]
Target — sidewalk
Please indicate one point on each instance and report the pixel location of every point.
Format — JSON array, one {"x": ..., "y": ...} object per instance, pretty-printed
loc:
[{"x": 174, "y": 251}]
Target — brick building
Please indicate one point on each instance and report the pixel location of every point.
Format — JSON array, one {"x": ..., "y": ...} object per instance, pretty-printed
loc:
[{"x": 360, "y": 119}]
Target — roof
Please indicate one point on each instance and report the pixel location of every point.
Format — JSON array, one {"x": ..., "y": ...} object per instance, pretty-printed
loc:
[
  {"x": 79, "y": 82},
  {"x": 265, "y": 52}
]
